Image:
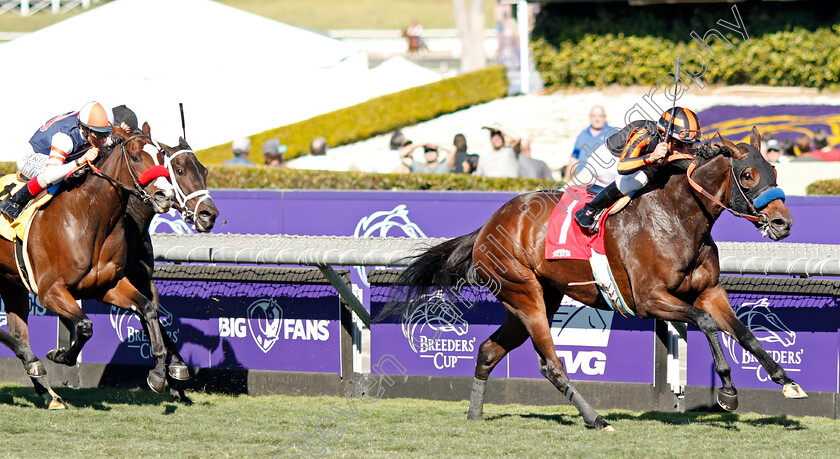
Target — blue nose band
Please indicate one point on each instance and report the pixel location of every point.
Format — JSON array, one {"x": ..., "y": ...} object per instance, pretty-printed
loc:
[{"x": 768, "y": 196}]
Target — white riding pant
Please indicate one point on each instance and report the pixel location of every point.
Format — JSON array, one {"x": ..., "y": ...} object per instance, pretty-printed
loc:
[
  {"x": 33, "y": 165},
  {"x": 600, "y": 168},
  {"x": 631, "y": 182}
]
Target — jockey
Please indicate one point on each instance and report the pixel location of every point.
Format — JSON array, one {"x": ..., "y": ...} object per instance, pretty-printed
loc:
[
  {"x": 76, "y": 135},
  {"x": 642, "y": 146}
]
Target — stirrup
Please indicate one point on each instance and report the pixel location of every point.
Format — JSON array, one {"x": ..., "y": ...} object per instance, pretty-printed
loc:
[{"x": 11, "y": 208}]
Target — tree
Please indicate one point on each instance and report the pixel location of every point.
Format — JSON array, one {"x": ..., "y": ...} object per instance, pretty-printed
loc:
[{"x": 470, "y": 24}]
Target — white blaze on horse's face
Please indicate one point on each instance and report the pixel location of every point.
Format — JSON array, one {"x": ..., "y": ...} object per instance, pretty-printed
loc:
[{"x": 160, "y": 183}]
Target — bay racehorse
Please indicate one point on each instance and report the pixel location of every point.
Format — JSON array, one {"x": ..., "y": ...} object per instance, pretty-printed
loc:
[
  {"x": 192, "y": 199},
  {"x": 659, "y": 248},
  {"x": 77, "y": 249}
]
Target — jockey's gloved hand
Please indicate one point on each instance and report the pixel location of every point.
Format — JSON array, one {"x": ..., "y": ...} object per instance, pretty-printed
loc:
[{"x": 89, "y": 155}]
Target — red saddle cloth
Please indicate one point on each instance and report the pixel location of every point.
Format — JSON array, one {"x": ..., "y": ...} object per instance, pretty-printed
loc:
[{"x": 565, "y": 240}]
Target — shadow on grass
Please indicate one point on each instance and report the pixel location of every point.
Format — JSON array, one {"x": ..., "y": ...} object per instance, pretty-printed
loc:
[
  {"x": 723, "y": 420},
  {"x": 558, "y": 418},
  {"x": 94, "y": 398}
]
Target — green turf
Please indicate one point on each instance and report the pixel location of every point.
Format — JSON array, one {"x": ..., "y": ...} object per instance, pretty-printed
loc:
[
  {"x": 312, "y": 14},
  {"x": 111, "y": 422}
]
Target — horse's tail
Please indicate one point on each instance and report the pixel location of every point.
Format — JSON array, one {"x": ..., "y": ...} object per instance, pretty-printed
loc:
[{"x": 441, "y": 266}]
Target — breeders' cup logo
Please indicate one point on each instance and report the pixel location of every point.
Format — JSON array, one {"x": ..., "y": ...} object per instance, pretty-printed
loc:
[
  {"x": 35, "y": 309},
  {"x": 577, "y": 325},
  {"x": 169, "y": 220},
  {"x": 769, "y": 329},
  {"x": 380, "y": 224},
  {"x": 265, "y": 318},
  {"x": 433, "y": 327},
  {"x": 130, "y": 330}
]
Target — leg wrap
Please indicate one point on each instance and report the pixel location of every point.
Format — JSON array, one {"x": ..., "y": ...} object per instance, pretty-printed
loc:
[{"x": 477, "y": 399}]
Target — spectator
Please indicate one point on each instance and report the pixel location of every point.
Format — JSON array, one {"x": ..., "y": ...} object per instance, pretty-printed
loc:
[
  {"x": 470, "y": 164},
  {"x": 273, "y": 152},
  {"x": 241, "y": 150},
  {"x": 431, "y": 155},
  {"x": 773, "y": 153},
  {"x": 822, "y": 149},
  {"x": 803, "y": 144},
  {"x": 460, "y": 146},
  {"x": 787, "y": 148},
  {"x": 316, "y": 159},
  {"x": 501, "y": 161},
  {"x": 530, "y": 167},
  {"x": 588, "y": 141},
  {"x": 391, "y": 160}
]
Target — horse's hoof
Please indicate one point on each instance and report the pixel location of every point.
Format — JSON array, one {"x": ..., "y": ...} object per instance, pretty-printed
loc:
[
  {"x": 57, "y": 404},
  {"x": 726, "y": 401},
  {"x": 55, "y": 354},
  {"x": 179, "y": 372},
  {"x": 35, "y": 369},
  {"x": 474, "y": 417},
  {"x": 156, "y": 383},
  {"x": 792, "y": 390}
]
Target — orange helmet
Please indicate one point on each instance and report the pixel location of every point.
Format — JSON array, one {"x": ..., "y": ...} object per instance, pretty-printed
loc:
[
  {"x": 96, "y": 116},
  {"x": 686, "y": 124}
]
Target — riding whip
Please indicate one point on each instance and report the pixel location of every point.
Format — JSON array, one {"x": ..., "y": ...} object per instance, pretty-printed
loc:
[{"x": 184, "y": 124}]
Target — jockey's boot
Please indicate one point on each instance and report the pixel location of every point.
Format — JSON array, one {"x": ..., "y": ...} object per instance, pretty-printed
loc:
[
  {"x": 15, "y": 203},
  {"x": 587, "y": 216}
]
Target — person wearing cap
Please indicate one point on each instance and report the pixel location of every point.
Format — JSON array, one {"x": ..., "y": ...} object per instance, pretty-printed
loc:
[
  {"x": 74, "y": 136},
  {"x": 431, "y": 156},
  {"x": 774, "y": 152},
  {"x": 241, "y": 149},
  {"x": 273, "y": 152}
]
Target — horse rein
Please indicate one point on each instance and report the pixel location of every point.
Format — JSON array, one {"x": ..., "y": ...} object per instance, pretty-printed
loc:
[
  {"x": 754, "y": 216},
  {"x": 182, "y": 198},
  {"x": 137, "y": 190}
]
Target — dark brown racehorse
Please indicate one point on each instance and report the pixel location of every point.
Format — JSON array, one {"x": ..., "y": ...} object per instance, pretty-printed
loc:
[
  {"x": 660, "y": 251},
  {"x": 193, "y": 201},
  {"x": 77, "y": 248}
]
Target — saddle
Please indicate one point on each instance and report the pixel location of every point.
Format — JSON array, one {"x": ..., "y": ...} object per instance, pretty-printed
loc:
[{"x": 18, "y": 230}]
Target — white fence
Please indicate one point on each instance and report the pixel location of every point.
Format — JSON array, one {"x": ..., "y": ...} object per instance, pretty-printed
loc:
[{"x": 27, "y": 8}]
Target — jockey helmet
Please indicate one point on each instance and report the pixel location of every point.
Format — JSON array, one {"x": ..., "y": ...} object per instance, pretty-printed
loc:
[
  {"x": 686, "y": 124},
  {"x": 96, "y": 117}
]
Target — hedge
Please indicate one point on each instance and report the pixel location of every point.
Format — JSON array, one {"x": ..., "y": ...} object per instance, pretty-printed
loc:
[
  {"x": 639, "y": 48},
  {"x": 263, "y": 177},
  {"x": 379, "y": 115},
  {"x": 824, "y": 187}
]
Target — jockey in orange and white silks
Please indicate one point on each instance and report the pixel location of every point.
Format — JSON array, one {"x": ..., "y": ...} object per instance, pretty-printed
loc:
[
  {"x": 642, "y": 146},
  {"x": 76, "y": 136}
]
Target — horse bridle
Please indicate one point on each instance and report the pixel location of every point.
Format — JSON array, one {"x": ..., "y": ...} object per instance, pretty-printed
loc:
[
  {"x": 138, "y": 189},
  {"x": 752, "y": 213},
  {"x": 187, "y": 214}
]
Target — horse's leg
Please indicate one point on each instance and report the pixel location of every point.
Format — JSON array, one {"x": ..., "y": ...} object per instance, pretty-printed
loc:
[
  {"x": 534, "y": 316},
  {"x": 141, "y": 277},
  {"x": 510, "y": 335},
  {"x": 125, "y": 296},
  {"x": 16, "y": 300},
  {"x": 664, "y": 306},
  {"x": 59, "y": 300},
  {"x": 716, "y": 302}
]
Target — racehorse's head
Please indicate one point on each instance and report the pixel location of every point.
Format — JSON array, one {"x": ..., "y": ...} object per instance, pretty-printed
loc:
[
  {"x": 189, "y": 177},
  {"x": 136, "y": 164},
  {"x": 754, "y": 189}
]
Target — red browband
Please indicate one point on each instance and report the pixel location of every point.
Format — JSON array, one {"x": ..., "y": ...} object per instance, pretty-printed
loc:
[{"x": 152, "y": 173}]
